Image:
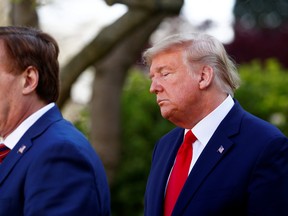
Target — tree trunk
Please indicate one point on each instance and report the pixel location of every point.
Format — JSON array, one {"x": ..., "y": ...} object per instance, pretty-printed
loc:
[
  {"x": 23, "y": 13},
  {"x": 107, "y": 88},
  {"x": 4, "y": 12}
]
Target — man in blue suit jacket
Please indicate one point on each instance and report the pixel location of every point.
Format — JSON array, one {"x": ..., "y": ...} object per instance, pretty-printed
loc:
[
  {"x": 239, "y": 163},
  {"x": 51, "y": 168}
]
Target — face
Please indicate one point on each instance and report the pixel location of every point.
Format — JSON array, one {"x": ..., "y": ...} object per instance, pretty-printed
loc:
[
  {"x": 10, "y": 94},
  {"x": 176, "y": 87}
]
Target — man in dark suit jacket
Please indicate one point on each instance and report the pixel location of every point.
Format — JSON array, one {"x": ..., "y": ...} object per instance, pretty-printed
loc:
[
  {"x": 239, "y": 163},
  {"x": 51, "y": 168}
]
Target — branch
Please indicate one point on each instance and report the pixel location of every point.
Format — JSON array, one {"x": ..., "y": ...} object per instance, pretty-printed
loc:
[
  {"x": 173, "y": 6},
  {"x": 98, "y": 48},
  {"x": 104, "y": 42}
]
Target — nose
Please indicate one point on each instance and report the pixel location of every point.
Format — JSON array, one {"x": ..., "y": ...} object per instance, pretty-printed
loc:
[{"x": 155, "y": 86}]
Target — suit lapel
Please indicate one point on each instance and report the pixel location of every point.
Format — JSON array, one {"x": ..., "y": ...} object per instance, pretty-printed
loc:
[
  {"x": 13, "y": 157},
  {"x": 218, "y": 146},
  {"x": 167, "y": 150},
  {"x": 204, "y": 165},
  {"x": 25, "y": 143}
]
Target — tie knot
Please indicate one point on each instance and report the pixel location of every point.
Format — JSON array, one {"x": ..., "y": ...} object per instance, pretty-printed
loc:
[
  {"x": 187, "y": 142},
  {"x": 189, "y": 137},
  {"x": 4, "y": 150},
  {"x": 3, "y": 146}
]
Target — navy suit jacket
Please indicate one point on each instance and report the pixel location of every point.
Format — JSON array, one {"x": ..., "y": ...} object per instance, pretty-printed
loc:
[
  {"x": 249, "y": 177},
  {"x": 53, "y": 171}
]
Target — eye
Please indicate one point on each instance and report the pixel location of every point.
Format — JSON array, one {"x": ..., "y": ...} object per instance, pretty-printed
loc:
[{"x": 166, "y": 73}]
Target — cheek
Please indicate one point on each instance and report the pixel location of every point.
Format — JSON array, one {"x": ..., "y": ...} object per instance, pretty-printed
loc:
[
  {"x": 6, "y": 90},
  {"x": 10, "y": 94},
  {"x": 4, "y": 108},
  {"x": 188, "y": 93}
]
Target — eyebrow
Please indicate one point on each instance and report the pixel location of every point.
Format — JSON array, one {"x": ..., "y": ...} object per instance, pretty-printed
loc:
[{"x": 157, "y": 70}]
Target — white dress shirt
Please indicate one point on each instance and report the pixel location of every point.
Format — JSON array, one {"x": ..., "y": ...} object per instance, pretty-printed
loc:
[
  {"x": 13, "y": 138},
  {"x": 204, "y": 129}
]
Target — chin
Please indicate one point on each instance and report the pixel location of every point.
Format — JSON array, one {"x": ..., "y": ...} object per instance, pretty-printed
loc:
[
  {"x": 166, "y": 115},
  {"x": 171, "y": 116}
]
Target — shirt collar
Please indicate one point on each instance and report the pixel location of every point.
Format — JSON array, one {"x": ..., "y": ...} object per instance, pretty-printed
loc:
[
  {"x": 204, "y": 129},
  {"x": 13, "y": 138}
]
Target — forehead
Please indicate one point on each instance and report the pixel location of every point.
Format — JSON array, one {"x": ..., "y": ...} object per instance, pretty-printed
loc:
[
  {"x": 171, "y": 57},
  {"x": 172, "y": 61}
]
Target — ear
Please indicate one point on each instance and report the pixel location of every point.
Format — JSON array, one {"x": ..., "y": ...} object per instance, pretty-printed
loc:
[
  {"x": 30, "y": 80},
  {"x": 207, "y": 74}
]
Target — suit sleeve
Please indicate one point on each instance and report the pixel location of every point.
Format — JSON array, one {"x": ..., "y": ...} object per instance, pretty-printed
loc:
[
  {"x": 66, "y": 180},
  {"x": 268, "y": 190}
]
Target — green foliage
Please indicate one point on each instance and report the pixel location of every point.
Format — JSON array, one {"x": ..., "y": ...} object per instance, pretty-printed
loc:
[
  {"x": 264, "y": 92},
  {"x": 142, "y": 127},
  {"x": 83, "y": 122}
]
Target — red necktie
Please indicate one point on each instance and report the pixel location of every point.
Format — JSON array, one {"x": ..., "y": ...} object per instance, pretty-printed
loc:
[
  {"x": 179, "y": 173},
  {"x": 4, "y": 150}
]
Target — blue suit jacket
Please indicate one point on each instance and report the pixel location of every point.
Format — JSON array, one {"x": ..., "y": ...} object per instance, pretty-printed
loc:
[
  {"x": 53, "y": 171},
  {"x": 250, "y": 176}
]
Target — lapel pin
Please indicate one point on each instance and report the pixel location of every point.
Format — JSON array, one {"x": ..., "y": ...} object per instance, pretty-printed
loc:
[
  {"x": 21, "y": 149},
  {"x": 220, "y": 149}
]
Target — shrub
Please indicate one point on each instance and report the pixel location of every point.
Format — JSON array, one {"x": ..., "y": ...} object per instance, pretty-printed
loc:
[{"x": 264, "y": 92}]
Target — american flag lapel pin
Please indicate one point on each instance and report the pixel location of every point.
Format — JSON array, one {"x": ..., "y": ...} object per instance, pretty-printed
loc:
[
  {"x": 21, "y": 149},
  {"x": 220, "y": 149}
]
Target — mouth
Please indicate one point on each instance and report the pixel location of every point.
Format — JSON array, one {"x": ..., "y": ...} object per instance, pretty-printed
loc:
[{"x": 161, "y": 101}]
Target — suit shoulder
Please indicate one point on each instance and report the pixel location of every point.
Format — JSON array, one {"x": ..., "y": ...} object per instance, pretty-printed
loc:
[{"x": 256, "y": 124}]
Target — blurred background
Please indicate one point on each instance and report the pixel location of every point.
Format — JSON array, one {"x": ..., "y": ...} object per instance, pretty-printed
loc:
[{"x": 105, "y": 88}]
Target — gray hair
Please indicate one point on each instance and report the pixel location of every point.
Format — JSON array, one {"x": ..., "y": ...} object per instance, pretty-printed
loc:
[{"x": 200, "y": 48}]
